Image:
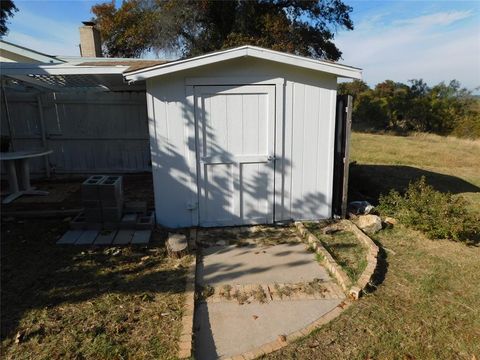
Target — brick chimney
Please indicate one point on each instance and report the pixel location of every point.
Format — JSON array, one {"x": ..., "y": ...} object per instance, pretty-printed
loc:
[{"x": 90, "y": 42}]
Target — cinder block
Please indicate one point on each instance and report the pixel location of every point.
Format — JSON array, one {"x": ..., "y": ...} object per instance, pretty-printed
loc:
[
  {"x": 90, "y": 187},
  {"x": 128, "y": 221},
  {"x": 146, "y": 222},
  {"x": 111, "y": 191},
  {"x": 139, "y": 207},
  {"x": 93, "y": 226},
  {"x": 111, "y": 214},
  {"x": 78, "y": 222},
  {"x": 111, "y": 225},
  {"x": 93, "y": 215},
  {"x": 95, "y": 204}
]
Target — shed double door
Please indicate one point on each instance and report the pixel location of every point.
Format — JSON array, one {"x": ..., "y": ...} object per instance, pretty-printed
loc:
[{"x": 235, "y": 128}]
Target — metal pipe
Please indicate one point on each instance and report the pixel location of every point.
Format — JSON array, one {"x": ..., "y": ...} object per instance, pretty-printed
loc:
[
  {"x": 43, "y": 134},
  {"x": 9, "y": 121}
]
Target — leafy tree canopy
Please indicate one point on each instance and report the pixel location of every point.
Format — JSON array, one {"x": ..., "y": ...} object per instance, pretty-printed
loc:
[
  {"x": 193, "y": 27},
  {"x": 392, "y": 106},
  {"x": 7, "y": 8}
]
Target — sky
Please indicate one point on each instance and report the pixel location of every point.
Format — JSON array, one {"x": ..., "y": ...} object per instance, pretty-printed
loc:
[{"x": 397, "y": 40}]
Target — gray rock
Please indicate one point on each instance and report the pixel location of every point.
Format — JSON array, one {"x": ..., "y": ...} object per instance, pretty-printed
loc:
[{"x": 369, "y": 223}]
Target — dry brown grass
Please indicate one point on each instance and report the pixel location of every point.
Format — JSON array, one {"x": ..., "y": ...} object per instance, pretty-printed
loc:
[
  {"x": 73, "y": 303},
  {"x": 426, "y": 305},
  {"x": 426, "y": 308},
  {"x": 387, "y": 162}
]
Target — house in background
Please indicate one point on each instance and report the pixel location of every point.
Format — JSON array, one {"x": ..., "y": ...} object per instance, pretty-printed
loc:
[{"x": 78, "y": 106}]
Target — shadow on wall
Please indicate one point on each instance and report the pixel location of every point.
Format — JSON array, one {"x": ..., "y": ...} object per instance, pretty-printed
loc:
[
  {"x": 368, "y": 182},
  {"x": 177, "y": 178}
]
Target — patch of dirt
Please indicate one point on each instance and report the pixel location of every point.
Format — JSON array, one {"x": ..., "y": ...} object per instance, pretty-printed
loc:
[{"x": 69, "y": 302}]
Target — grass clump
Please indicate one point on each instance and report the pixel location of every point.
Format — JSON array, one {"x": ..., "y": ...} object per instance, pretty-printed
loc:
[
  {"x": 438, "y": 215},
  {"x": 344, "y": 247}
]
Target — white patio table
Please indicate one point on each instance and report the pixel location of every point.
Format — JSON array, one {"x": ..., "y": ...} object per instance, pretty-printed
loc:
[{"x": 20, "y": 159}]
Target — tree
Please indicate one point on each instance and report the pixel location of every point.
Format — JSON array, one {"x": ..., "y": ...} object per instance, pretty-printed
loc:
[
  {"x": 354, "y": 88},
  {"x": 7, "y": 8},
  {"x": 193, "y": 27}
]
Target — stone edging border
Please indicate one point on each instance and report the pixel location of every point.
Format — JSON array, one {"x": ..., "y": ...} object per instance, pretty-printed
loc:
[
  {"x": 354, "y": 290},
  {"x": 327, "y": 259},
  {"x": 372, "y": 260},
  {"x": 185, "y": 343}
]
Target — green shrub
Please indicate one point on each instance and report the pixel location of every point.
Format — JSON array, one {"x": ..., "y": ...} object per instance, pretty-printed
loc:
[{"x": 438, "y": 215}]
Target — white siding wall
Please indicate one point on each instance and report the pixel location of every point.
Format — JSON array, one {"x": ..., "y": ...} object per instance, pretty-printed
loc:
[{"x": 304, "y": 139}]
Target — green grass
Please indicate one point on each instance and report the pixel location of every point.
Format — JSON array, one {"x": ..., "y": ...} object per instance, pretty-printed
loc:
[
  {"x": 73, "y": 303},
  {"x": 426, "y": 305},
  {"x": 344, "y": 247}
]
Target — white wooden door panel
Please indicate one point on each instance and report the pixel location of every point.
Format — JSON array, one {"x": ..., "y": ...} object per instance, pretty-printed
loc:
[{"x": 235, "y": 152}]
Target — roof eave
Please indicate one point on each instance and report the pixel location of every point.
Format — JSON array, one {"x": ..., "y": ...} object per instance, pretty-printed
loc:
[{"x": 255, "y": 52}]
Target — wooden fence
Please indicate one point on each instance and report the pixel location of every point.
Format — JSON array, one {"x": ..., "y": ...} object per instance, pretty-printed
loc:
[{"x": 88, "y": 132}]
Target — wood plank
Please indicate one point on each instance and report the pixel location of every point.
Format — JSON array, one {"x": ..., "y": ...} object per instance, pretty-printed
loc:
[
  {"x": 87, "y": 238},
  {"x": 70, "y": 237},
  {"x": 105, "y": 238},
  {"x": 141, "y": 237},
  {"x": 346, "y": 159},
  {"x": 123, "y": 237}
]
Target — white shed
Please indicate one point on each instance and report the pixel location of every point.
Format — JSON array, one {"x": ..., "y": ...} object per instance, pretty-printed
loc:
[{"x": 242, "y": 136}]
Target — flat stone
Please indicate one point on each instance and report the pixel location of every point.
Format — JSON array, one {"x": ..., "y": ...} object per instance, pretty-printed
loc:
[
  {"x": 141, "y": 237},
  {"x": 105, "y": 237},
  {"x": 123, "y": 237},
  {"x": 70, "y": 237},
  {"x": 87, "y": 238}
]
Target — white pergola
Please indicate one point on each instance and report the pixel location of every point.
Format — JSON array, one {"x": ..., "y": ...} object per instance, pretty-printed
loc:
[{"x": 68, "y": 77}]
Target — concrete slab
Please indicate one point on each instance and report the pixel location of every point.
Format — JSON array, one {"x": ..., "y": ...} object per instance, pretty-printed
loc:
[
  {"x": 87, "y": 238},
  {"x": 105, "y": 237},
  {"x": 254, "y": 264},
  {"x": 123, "y": 237},
  {"x": 228, "y": 329},
  {"x": 70, "y": 237}
]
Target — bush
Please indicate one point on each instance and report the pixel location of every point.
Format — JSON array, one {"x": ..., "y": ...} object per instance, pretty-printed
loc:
[{"x": 438, "y": 215}]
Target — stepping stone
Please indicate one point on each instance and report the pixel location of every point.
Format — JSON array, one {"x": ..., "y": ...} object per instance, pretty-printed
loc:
[
  {"x": 141, "y": 237},
  {"x": 105, "y": 238},
  {"x": 123, "y": 237},
  {"x": 87, "y": 238},
  {"x": 70, "y": 237}
]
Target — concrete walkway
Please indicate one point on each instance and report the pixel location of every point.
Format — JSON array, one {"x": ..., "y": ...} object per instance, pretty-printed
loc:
[{"x": 261, "y": 290}]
